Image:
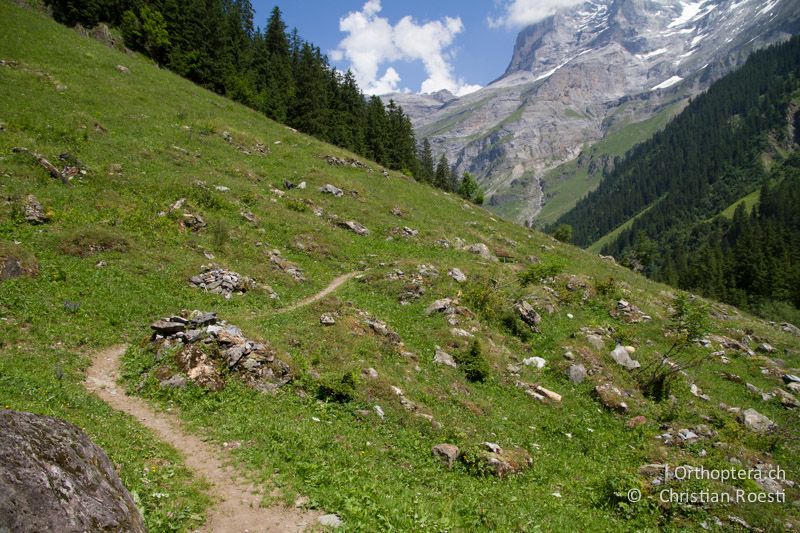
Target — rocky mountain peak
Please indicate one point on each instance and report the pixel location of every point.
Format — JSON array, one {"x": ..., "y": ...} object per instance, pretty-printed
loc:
[{"x": 574, "y": 75}]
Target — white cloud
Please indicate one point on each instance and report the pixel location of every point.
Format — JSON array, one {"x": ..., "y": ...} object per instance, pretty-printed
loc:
[
  {"x": 373, "y": 41},
  {"x": 518, "y": 13}
]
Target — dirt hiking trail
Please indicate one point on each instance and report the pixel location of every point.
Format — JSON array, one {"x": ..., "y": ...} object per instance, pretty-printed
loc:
[{"x": 236, "y": 501}]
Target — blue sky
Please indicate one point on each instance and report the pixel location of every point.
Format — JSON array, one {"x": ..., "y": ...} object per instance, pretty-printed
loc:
[{"x": 416, "y": 45}]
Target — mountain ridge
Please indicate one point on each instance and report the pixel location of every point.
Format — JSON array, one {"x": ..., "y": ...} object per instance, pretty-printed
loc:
[{"x": 574, "y": 74}]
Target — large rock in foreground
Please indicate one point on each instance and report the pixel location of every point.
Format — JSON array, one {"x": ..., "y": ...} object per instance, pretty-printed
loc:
[{"x": 53, "y": 478}]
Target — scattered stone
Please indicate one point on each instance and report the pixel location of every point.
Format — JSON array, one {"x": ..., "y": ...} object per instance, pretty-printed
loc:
[
  {"x": 611, "y": 397},
  {"x": 576, "y": 373},
  {"x": 167, "y": 327},
  {"x": 698, "y": 392},
  {"x": 538, "y": 362},
  {"x": 380, "y": 327},
  {"x": 766, "y": 348},
  {"x": 54, "y": 478},
  {"x": 428, "y": 271},
  {"x": 123, "y": 69},
  {"x": 249, "y": 216},
  {"x": 33, "y": 211},
  {"x": 621, "y": 356},
  {"x": 192, "y": 222},
  {"x": 447, "y": 453},
  {"x": 755, "y": 421},
  {"x": 528, "y": 314},
  {"x": 687, "y": 435},
  {"x": 370, "y": 373},
  {"x": 790, "y": 378},
  {"x": 595, "y": 341},
  {"x": 379, "y": 411},
  {"x": 355, "y": 227},
  {"x": 628, "y": 312},
  {"x": 327, "y": 319},
  {"x": 175, "y": 382},
  {"x": 223, "y": 282},
  {"x": 786, "y": 399},
  {"x": 457, "y": 275},
  {"x": 222, "y": 188},
  {"x": 345, "y": 162},
  {"x": 790, "y": 328},
  {"x": 443, "y": 358},
  {"x": 442, "y": 243},
  {"x": 445, "y": 305},
  {"x": 396, "y": 211},
  {"x": 411, "y": 291},
  {"x": 330, "y": 189},
  {"x": 330, "y": 520},
  {"x": 481, "y": 250},
  {"x": 500, "y": 462},
  {"x": 286, "y": 266},
  {"x": 101, "y": 264},
  {"x": 301, "y": 185},
  {"x": 758, "y": 392},
  {"x": 405, "y": 231}
]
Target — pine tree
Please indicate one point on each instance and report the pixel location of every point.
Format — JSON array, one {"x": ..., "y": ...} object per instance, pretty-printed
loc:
[
  {"x": 376, "y": 131},
  {"x": 441, "y": 177},
  {"x": 279, "y": 84},
  {"x": 426, "y": 164},
  {"x": 308, "y": 114}
]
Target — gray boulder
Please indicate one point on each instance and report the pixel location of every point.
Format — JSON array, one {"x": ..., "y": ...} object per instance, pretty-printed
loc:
[
  {"x": 623, "y": 358},
  {"x": 33, "y": 211},
  {"x": 331, "y": 189},
  {"x": 755, "y": 421},
  {"x": 457, "y": 275},
  {"x": 53, "y": 478},
  {"x": 481, "y": 250},
  {"x": 447, "y": 453},
  {"x": 528, "y": 314},
  {"x": 576, "y": 373},
  {"x": 443, "y": 358}
]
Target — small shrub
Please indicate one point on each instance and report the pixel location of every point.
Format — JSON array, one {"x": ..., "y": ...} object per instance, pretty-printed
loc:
[
  {"x": 607, "y": 287},
  {"x": 340, "y": 389},
  {"x": 514, "y": 325},
  {"x": 484, "y": 298},
  {"x": 205, "y": 198},
  {"x": 689, "y": 323},
  {"x": 296, "y": 205},
  {"x": 563, "y": 233},
  {"x": 536, "y": 273},
  {"x": 473, "y": 363}
]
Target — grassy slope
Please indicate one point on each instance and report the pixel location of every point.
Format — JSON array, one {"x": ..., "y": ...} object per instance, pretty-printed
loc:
[
  {"x": 375, "y": 475},
  {"x": 569, "y": 182}
]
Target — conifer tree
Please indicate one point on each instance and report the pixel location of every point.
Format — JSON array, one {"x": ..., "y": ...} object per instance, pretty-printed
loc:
[{"x": 426, "y": 164}]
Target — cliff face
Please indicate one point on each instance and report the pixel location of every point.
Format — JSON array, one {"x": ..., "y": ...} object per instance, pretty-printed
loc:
[{"x": 584, "y": 71}]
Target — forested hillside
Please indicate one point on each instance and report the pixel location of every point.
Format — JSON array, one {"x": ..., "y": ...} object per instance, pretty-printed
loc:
[
  {"x": 217, "y": 45},
  {"x": 725, "y": 145}
]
